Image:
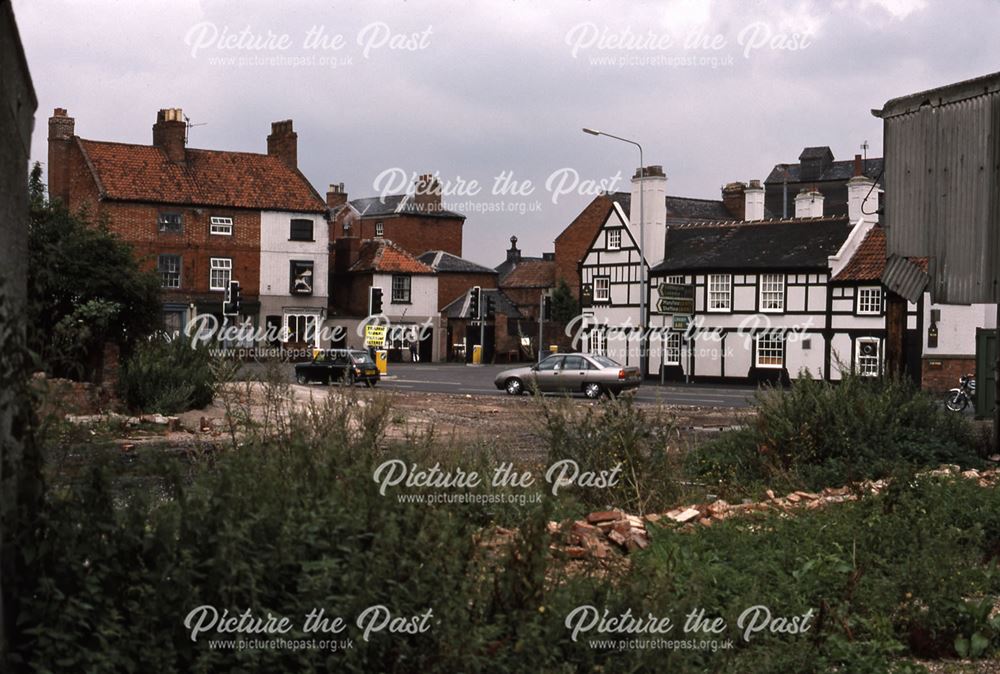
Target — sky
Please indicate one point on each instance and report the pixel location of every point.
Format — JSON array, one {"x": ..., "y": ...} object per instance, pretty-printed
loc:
[{"x": 491, "y": 95}]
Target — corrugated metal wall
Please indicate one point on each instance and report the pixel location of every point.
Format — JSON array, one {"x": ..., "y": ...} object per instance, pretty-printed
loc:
[{"x": 942, "y": 186}]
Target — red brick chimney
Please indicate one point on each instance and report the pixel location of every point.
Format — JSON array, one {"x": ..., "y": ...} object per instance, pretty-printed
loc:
[
  {"x": 169, "y": 133},
  {"x": 859, "y": 166},
  {"x": 283, "y": 143},
  {"x": 62, "y": 127},
  {"x": 427, "y": 197},
  {"x": 734, "y": 201},
  {"x": 336, "y": 196}
]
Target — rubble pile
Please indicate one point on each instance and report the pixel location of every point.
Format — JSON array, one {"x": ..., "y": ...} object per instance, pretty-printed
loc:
[{"x": 606, "y": 533}]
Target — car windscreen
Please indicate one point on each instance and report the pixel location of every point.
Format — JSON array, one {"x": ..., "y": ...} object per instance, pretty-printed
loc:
[
  {"x": 604, "y": 361},
  {"x": 362, "y": 358}
]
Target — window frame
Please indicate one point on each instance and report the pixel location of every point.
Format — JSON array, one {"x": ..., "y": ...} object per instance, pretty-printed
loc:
[
  {"x": 291, "y": 277},
  {"x": 672, "y": 346},
  {"x": 710, "y": 280},
  {"x": 379, "y": 230},
  {"x": 618, "y": 238},
  {"x": 778, "y": 283},
  {"x": 607, "y": 298},
  {"x": 220, "y": 221},
  {"x": 864, "y": 371},
  {"x": 212, "y": 268},
  {"x": 599, "y": 342},
  {"x": 160, "y": 270},
  {"x": 775, "y": 338},
  {"x": 862, "y": 308},
  {"x": 165, "y": 225},
  {"x": 299, "y": 221},
  {"x": 408, "y": 299},
  {"x": 286, "y": 332}
]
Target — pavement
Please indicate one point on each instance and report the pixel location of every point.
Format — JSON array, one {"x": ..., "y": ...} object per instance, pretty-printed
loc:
[{"x": 458, "y": 378}]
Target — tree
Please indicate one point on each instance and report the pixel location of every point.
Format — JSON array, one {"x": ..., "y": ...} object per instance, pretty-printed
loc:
[
  {"x": 564, "y": 306},
  {"x": 85, "y": 289}
]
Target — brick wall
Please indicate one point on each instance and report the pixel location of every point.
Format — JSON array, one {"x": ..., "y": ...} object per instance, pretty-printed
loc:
[
  {"x": 451, "y": 285},
  {"x": 415, "y": 234},
  {"x": 938, "y": 375},
  {"x": 572, "y": 243},
  {"x": 137, "y": 223},
  {"x": 526, "y": 300}
]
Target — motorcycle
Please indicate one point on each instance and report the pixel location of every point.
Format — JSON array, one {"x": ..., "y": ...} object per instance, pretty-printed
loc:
[{"x": 959, "y": 398}]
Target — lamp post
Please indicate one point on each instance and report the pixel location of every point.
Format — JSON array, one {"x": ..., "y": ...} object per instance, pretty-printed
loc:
[{"x": 642, "y": 239}]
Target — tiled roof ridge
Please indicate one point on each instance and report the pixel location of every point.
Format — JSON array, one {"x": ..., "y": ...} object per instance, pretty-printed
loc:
[{"x": 753, "y": 223}]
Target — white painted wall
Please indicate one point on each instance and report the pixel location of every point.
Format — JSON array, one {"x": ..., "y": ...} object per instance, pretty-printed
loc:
[
  {"x": 276, "y": 253},
  {"x": 957, "y": 327},
  {"x": 423, "y": 296}
]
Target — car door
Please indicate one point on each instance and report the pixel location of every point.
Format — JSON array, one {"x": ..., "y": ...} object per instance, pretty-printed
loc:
[
  {"x": 547, "y": 373},
  {"x": 573, "y": 373}
]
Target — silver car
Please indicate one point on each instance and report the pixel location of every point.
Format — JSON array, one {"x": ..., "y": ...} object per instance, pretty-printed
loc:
[{"x": 591, "y": 374}]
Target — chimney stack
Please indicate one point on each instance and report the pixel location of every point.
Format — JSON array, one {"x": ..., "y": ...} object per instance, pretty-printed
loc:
[
  {"x": 169, "y": 133},
  {"x": 513, "y": 254},
  {"x": 62, "y": 128},
  {"x": 809, "y": 203},
  {"x": 733, "y": 201},
  {"x": 336, "y": 196},
  {"x": 862, "y": 199},
  {"x": 283, "y": 143},
  {"x": 651, "y": 183},
  {"x": 427, "y": 195},
  {"x": 754, "y": 202},
  {"x": 859, "y": 165}
]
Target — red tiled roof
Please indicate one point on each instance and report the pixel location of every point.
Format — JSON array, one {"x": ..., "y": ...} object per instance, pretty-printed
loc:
[
  {"x": 868, "y": 261},
  {"x": 126, "y": 172},
  {"x": 531, "y": 274},
  {"x": 382, "y": 255}
]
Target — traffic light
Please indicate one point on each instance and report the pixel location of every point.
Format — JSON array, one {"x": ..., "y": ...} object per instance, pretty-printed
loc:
[
  {"x": 474, "y": 297},
  {"x": 491, "y": 306},
  {"x": 374, "y": 301},
  {"x": 231, "y": 304}
]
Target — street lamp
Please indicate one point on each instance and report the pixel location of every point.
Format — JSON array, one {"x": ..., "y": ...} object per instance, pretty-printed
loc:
[{"x": 642, "y": 239}]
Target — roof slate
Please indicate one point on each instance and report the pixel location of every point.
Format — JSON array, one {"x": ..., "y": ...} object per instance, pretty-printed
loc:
[
  {"x": 531, "y": 274},
  {"x": 803, "y": 243},
  {"x": 444, "y": 262},
  {"x": 396, "y": 204},
  {"x": 126, "y": 172},
  {"x": 837, "y": 170}
]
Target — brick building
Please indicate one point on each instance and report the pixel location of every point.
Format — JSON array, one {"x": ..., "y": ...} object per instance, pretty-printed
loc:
[
  {"x": 573, "y": 242},
  {"x": 204, "y": 217},
  {"x": 415, "y": 221},
  {"x": 525, "y": 279},
  {"x": 409, "y": 297}
]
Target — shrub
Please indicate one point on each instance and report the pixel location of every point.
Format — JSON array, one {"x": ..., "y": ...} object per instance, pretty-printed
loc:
[
  {"x": 168, "y": 377},
  {"x": 817, "y": 433},
  {"x": 612, "y": 433}
]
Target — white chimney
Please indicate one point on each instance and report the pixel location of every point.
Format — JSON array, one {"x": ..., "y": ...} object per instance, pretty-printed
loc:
[
  {"x": 809, "y": 204},
  {"x": 754, "y": 201},
  {"x": 862, "y": 199},
  {"x": 653, "y": 185}
]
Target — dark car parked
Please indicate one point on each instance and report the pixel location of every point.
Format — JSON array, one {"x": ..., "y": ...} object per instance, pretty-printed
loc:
[{"x": 333, "y": 366}]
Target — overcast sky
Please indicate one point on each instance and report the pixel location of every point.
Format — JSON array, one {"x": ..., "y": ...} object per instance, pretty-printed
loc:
[{"x": 715, "y": 91}]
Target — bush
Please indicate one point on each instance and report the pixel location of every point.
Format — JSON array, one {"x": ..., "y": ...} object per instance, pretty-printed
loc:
[
  {"x": 615, "y": 433},
  {"x": 817, "y": 434},
  {"x": 168, "y": 377}
]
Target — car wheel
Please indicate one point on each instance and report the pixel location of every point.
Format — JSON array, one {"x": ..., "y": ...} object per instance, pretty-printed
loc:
[
  {"x": 592, "y": 390},
  {"x": 301, "y": 378},
  {"x": 514, "y": 386},
  {"x": 369, "y": 383}
]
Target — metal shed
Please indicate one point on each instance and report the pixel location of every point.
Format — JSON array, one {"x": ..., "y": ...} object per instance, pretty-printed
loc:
[{"x": 942, "y": 186}]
